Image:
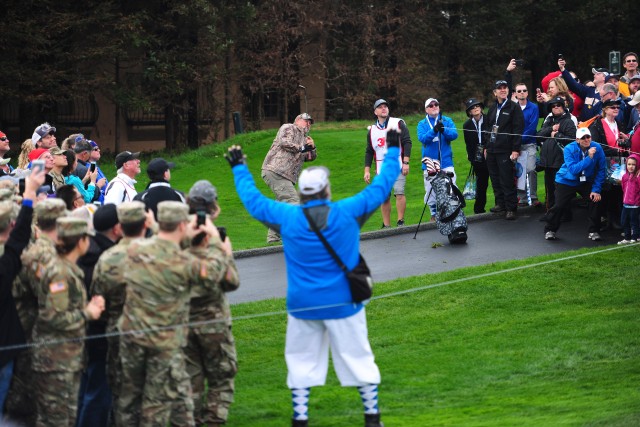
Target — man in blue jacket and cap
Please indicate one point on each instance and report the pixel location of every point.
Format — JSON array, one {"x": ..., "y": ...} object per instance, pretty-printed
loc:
[
  {"x": 583, "y": 172},
  {"x": 321, "y": 310}
]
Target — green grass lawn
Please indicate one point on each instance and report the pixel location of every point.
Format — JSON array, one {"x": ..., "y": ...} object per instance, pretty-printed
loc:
[
  {"x": 520, "y": 343},
  {"x": 341, "y": 147}
]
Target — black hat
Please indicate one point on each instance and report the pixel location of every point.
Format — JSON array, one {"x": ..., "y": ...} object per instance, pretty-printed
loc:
[
  {"x": 158, "y": 166},
  {"x": 556, "y": 100},
  {"x": 472, "y": 102},
  {"x": 610, "y": 102},
  {"x": 500, "y": 83},
  {"x": 124, "y": 157},
  {"x": 106, "y": 217}
]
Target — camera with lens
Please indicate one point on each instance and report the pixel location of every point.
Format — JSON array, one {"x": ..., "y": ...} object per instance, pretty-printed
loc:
[
  {"x": 623, "y": 143},
  {"x": 494, "y": 134}
]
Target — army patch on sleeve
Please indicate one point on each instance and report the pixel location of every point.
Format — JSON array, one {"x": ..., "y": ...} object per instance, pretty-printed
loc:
[
  {"x": 56, "y": 287},
  {"x": 40, "y": 271}
]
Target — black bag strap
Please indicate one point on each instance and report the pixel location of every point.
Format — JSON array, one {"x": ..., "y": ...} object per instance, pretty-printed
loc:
[{"x": 326, "y": 244}]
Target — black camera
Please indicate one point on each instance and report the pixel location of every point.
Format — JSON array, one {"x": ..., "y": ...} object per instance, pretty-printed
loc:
[
  {"x": 623, "y": 143},
  {"x": 493, "y": 135},
  {"x": 520, "y": 63}
]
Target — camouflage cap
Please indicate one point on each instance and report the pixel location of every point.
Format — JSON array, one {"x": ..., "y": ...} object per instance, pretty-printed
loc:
[
  {"x": 7, "y": 194},
  {"x": 56, "y": 151},
  {"x": 6, "y": 213},
  {"x": 51, "y": 209},
  {"x": 131, "y": 212},
  {"x": 171, "y": 211},
  {"x": 8, "y": 182},
  {"x": 71, "y": 226}
]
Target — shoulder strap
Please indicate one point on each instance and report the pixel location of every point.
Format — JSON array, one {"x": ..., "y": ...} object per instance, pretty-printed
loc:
[{"x": 326, "y": 244}]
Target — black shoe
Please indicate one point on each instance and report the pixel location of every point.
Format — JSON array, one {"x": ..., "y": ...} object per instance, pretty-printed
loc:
[
  {"x": 384, "y": 226},
  {"x": 299, "y": 423},
  {"x": 400, "y": 222},
  {"x": 479, "y": 212},
  {"x": 511, "y": 215},
  {"x": 497, "y": 209},
  {"x": 372, "y": 420}
]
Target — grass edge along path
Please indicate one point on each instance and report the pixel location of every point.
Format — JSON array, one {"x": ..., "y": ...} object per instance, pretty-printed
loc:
[{"x": 553, "y": 344}]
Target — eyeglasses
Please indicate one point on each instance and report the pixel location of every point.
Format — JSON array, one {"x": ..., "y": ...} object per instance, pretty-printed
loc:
[
  {"x": 522, "y": 90},
  {"x": 631, "y": 60},
  {"x": 78, "y": 197},
  {"x": 433, "y": 105},
  {"x": 4, "y": 138}
]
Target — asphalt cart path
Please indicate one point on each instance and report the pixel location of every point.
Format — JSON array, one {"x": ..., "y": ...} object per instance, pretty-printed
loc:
[{"x": 394, "y": 253}]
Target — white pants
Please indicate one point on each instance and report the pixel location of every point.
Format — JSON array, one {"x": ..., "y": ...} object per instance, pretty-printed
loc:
[
  {"x": 430, "y": 194},
  {"x": 307, "y": 352}
]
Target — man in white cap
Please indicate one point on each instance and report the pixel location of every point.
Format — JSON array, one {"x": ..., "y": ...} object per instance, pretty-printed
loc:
[
  {"x": 291, "y": 147},
  {"x": 122, "y": 187},
  {"x": 583, "y": 172},
  {"x": 377, "y": 148},
  {"x": 44, "y": 136},
  {"x": 322, "y": 310}
]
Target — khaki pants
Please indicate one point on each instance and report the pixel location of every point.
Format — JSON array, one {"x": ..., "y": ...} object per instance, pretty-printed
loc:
[{"x": 284, "y": 190}]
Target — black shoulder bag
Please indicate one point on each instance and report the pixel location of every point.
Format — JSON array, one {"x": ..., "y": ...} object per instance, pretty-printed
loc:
[{"x": 360, "y": 281}]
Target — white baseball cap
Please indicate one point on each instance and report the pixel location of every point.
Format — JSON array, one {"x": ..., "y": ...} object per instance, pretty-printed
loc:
[
  {"x": 313, "y": 180},
  {"x": 582, "y": 132},
  {"x": 429, "y": 101}
]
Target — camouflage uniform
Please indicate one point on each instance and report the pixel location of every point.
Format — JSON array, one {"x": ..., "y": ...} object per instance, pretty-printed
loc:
[
  {"x": 61, "y": 302},
  {"x": 109, "y": 280},
  {"x": 159, "y": 281},
  {"x": 20, "y": 405},
  {"x": 282, "y": 165},
  {"x": 210, "y": 351}
]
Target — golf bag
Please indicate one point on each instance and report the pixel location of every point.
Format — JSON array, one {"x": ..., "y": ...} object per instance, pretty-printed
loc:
[{"x": 450, "y": 218}]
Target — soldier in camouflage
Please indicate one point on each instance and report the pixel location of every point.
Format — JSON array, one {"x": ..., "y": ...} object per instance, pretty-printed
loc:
[
  {"x": 161, "y": 277},
  {"x": 63, "y": 313},
  {"x": 109, "y": 280},
  {"x": 20, "y": 405},
  {"x": 291, "y": 147},
  {"x": 211, "y": 351}
]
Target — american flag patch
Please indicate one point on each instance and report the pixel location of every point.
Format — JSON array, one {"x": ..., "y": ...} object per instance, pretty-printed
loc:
[{"x": 57, "y": 287}]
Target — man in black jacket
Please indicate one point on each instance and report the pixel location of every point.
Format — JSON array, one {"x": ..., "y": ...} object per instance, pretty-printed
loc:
[
  {"x": 159, "y": 189},
  {"x": 505, "y": 124},
  {"x": 14, "y": 237},
  {"x": 94, "y": 399}
]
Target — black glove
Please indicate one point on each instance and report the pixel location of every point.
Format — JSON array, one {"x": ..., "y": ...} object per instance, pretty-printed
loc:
[
  {"x": 307, "y": 147},
  {"x": 234, "y": 156},
  {"x": 393, "y": 138},
  {"x": 439, "y": 127}
]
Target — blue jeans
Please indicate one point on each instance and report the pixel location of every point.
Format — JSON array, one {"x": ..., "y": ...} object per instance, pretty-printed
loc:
[
  {"x": 5, "y": 381},
  {"x": 94, "y": 399}
]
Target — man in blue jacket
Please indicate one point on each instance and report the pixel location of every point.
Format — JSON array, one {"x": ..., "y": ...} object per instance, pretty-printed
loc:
[
  {"x": 436, "y": 132},
  {"x": 322, "y": 313},
  {"x": 583, "y": 172}
]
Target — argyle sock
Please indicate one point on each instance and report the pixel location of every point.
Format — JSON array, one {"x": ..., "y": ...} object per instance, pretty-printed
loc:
[
  {"x": 369, "y": 395},
  {"x": 300, "y": 398}
]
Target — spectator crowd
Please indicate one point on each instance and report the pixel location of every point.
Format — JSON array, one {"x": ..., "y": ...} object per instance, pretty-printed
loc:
[{"x": 89, "y": 256}]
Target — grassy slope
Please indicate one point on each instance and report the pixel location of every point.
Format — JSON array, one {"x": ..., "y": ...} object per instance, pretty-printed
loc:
[
  {"x": 552, "y": 345},
  {"x": 341, "y": 147}
]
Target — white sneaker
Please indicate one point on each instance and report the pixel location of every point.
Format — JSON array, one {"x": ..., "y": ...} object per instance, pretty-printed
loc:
[
  {"x": 632, "y": 240},
  {"x": 594, "y": 236},
  {"x": 550, "y": 235},
  {"x": 625, "y": 241}
]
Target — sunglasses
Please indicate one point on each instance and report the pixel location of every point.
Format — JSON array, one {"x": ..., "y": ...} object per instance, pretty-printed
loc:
[
  {"x": 4, "y": 138},
  {"x": 614, "y": 107},
  {"x": 96, "y": 149},
  {"x": 586, "y": 137},
  {"x": 557, "y": 106},
  {"x": 631, "y": 60},
  {"x": 433, "y": 104},
  {"x": 522, "y": 90}
]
